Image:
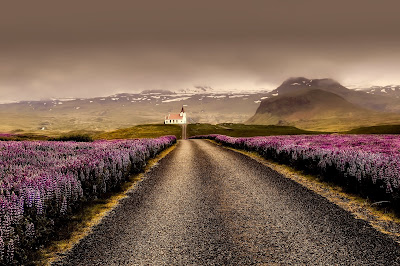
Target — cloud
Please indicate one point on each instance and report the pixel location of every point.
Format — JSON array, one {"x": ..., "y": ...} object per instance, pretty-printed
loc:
[{"x": 78, "y": 49}]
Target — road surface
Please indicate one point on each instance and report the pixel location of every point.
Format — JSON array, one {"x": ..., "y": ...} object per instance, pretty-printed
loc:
[
  {"x": 206, "y": 205},
  {"x": 184, "y": 127}
]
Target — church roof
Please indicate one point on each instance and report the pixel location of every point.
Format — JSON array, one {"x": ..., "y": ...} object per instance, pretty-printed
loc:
[
  {"x": 174, "y": 116},
  {"x": 182, "y": 111}
]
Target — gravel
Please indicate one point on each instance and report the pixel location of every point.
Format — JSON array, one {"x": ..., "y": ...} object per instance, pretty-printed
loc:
[{"x": 206, "y": 205}]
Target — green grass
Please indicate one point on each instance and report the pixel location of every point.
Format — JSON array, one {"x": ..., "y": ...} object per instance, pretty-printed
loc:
[
  {"x": 384, "y": 129},
  {"x": 242, "y": 130},
  {"x": 142, "y": 131},
  {"x": 27, "y": 136},
  {"x": 229, "y": 129},
  {"x": 157, "y": 130}
]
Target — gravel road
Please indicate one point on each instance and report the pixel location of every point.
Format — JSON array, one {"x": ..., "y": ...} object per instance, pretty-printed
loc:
[{"x": 206, "y": 205}]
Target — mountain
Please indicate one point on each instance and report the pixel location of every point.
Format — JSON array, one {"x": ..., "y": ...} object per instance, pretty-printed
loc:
[
  {"x": 383, "y": 102},
  {"x": 320, "y": 104},
  {"x": 308, "y": 103},
  {"x": 126, "y": 109}
]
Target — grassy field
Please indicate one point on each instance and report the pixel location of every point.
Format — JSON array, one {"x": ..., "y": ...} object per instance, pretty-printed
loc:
[
  {"x": 157, "y": 130},
  {"x": 241, "y": 130},
  {"x": 385, "y": 129},
  {"x": 229, "y": 129},
  {"x": 141, "y": 131},
  {"x": 27, "y": 136}
]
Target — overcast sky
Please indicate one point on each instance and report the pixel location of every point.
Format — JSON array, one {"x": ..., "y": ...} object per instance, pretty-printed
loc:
[{"x": 92, "y": 48}]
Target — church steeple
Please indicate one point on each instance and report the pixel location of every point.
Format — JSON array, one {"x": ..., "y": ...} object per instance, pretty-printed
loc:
[{"x": 176, "y": 118}]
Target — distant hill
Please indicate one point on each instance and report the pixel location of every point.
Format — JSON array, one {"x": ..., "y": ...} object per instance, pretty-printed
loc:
[
  {"x": 153, "y": 92},
  {"x": 321, "y": 104},
  {"x": 127, "y": 109}
]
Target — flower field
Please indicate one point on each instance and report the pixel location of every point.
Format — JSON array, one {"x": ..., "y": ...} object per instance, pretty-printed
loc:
[
  {"x": 364, "y": 164},
  {"x": 43, "y": 182}
]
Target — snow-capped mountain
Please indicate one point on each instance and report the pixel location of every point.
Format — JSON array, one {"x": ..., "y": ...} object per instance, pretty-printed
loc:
[
  {"x": 203, "y": 104},
  {"x": 389, "y": 90},
  {"x": 197, "y": 90}
]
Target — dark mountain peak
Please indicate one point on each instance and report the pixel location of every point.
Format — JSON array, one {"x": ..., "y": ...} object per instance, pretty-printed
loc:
[
  {"x": 299, "y": 83},
  {"x": 294, "y": 80},
  {"x": 327, "y": 82},
  {"x": 303, "y": 80}
]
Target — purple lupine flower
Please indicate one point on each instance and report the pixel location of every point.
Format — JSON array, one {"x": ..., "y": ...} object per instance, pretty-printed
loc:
[
  {"x": 6, "y": 227},
  {"x": 2, "y": 246},
  {"x": 10, "y": 251},
  {"x": 31, "y": 197},
  {"x": 38, "y": 203},
  {"x": 63, "y": 209}
]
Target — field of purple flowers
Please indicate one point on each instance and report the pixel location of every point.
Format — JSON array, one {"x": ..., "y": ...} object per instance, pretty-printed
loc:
[
  {"x": 43, "y": 182},
  {"x": 365, "y": 164}
]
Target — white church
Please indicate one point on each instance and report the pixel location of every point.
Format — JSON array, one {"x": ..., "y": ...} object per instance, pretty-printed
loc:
[{"x": 176, "y": 118}]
